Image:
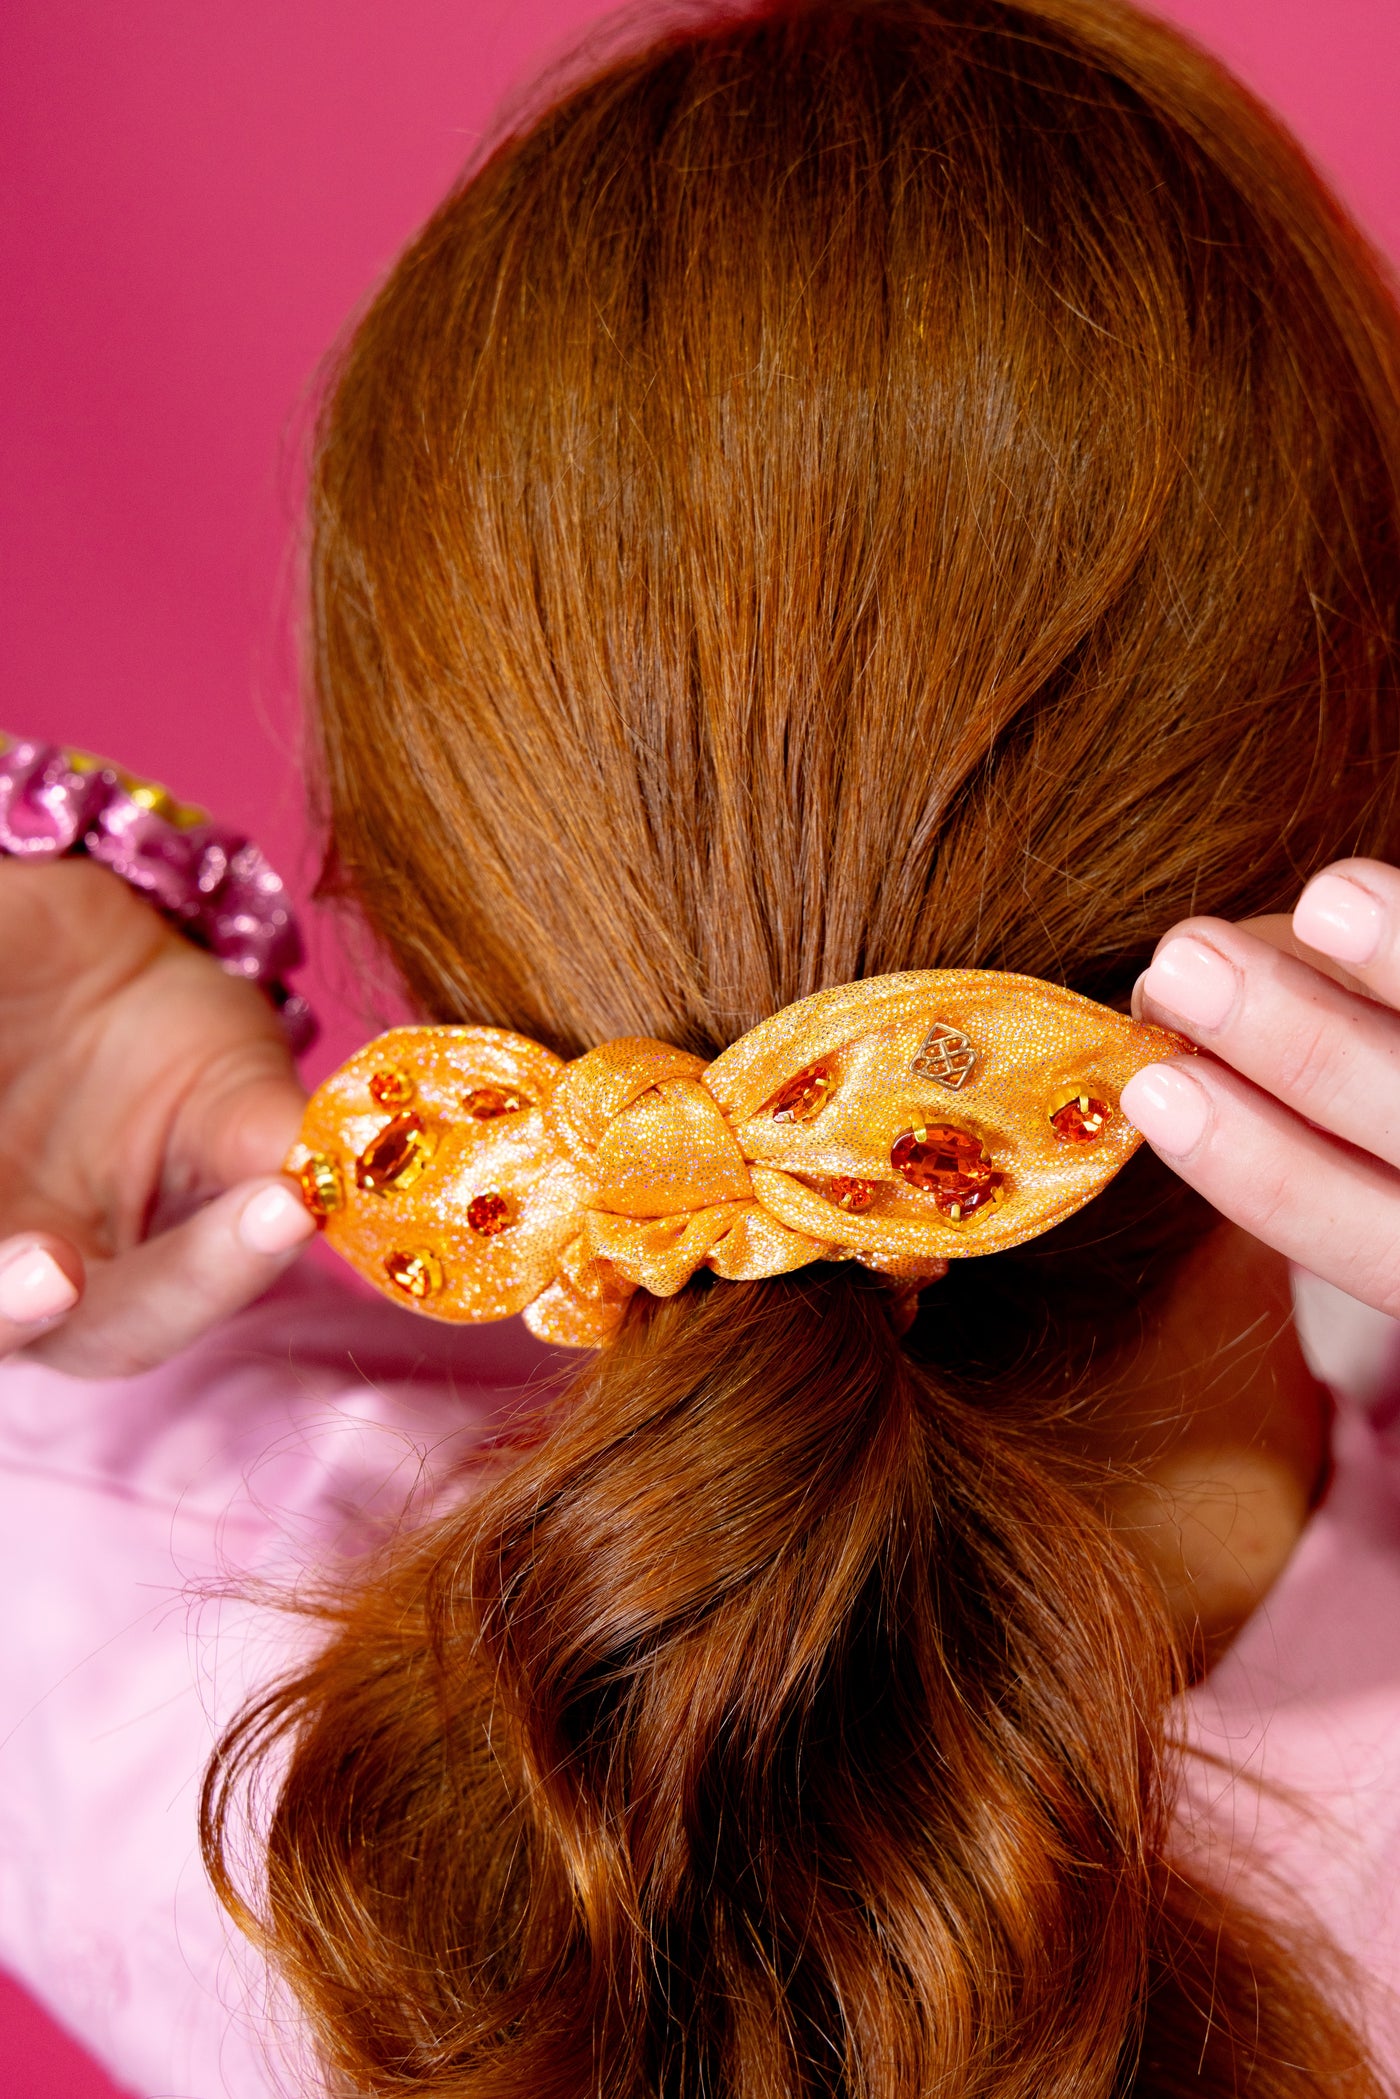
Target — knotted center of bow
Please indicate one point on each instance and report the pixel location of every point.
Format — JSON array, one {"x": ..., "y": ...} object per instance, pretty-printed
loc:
[{"x": 635, "y": 1117}]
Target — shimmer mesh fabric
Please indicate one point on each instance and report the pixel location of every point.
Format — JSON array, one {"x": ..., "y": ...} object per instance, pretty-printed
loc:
[{"x": 903, "y": 1122}]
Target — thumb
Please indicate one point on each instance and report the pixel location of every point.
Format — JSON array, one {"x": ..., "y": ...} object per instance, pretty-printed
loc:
[{"x": 241, "y": 1122}]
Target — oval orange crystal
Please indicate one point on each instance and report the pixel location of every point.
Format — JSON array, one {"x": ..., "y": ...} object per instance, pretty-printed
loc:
[
  {"x": 951, "y": 1165},
  {"x": 396, "y": 1157},
  {"x": 485, "y": 1103},
  {"x": 804, "y": 1095},
  {"x": 320, "y": 1186}
]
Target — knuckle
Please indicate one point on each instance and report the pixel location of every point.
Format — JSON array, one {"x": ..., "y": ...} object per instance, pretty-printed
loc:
[
  {"x": 1312, "y": 1058},
  {"x": 1270, "y": 1209}
]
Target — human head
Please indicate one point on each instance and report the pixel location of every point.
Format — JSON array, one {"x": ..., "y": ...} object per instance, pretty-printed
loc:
[{"x": 852, "y": 486}]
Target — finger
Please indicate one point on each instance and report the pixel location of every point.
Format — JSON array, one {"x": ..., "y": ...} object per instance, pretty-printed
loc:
[
  {"x": 1351, "y": 914},
  {"x": 1321, "y": 1204},
  {"x": 1334, "y": 927},
  {"x": 41, "y": 1280},
  {"x": 1277, "y": 930},
  {"x": 150, "y": 1303},
  {"x": 1330, "y": 1054}
]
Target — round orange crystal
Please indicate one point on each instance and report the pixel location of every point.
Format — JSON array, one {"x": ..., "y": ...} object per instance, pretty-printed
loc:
[
  {"x": 804, "y": 1095},
  {"x": 1079, "y": 1120},
  {"x": 488, "y": 1214},
  {"x": 417, "y": 1274},
  {"x": 392, "y": 1088},
  {"x": 850, "y": 1194},
  {"x": 951, "y": 1165}
]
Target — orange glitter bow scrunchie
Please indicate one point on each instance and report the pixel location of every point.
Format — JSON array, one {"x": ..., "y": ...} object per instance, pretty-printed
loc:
[{"x": 901, "y": 1122}]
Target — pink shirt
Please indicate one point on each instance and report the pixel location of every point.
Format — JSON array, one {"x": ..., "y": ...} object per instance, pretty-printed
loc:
[{"x": 126, "y": 1506}]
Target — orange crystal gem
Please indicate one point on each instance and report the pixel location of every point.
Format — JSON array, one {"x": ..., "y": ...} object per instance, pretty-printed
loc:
[
  {"x": 487, "y": 1102},
  {"x": 417, "y": 1274},
  {"x": 850, "y": 1194},
  {"x": 321, "y": 1190},
  {"x": 951, "y": 1165},
  {"x": 391, "y": 1088},
  {"x": 1080, "y": 1120},
  {"x": 488, "y": 1214},
  {"x": 804, "y": 1095},
  {"x": 396, "y": 1157}
]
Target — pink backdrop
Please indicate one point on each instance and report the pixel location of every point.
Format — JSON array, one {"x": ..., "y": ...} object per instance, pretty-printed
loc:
[{"x": 197, "y": 197}]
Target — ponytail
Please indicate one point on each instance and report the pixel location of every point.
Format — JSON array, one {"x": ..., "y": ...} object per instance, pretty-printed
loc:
[{"x": 779, "y": 1724}]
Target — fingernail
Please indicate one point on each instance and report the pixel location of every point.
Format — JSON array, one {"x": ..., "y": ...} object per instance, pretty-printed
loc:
[
  {"x": 1193, "y": 981},
  {"x": 34, "y": 1287},
  {"x": 274, "y": 1221},
  {"x": 1340, "y": 919},
  {"x": 1169, "y": 1107}
]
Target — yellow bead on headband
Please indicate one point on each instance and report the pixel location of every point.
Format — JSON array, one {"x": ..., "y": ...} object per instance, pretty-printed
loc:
[{"x": 902, "y": 1122}]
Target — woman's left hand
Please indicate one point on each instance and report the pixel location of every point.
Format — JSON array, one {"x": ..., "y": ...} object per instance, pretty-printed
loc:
[
  {"x": 147, "y": 1100},
  {"x": 1290, "y": 1125}
]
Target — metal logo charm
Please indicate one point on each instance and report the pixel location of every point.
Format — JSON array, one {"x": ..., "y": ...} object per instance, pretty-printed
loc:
[{"x": 947, "y": 1057}]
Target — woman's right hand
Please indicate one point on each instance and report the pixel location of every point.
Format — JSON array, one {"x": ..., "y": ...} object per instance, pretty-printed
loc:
[
  {"x": 1290, "y": 1125},
  {"x": 147, "y": 1099}
]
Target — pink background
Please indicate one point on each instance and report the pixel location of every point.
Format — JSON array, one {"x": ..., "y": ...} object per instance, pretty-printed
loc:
[{"x": 196, "y": 199}]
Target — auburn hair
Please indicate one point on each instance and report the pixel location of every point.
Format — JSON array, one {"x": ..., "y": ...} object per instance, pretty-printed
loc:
[{"x": 850, "y": 486}]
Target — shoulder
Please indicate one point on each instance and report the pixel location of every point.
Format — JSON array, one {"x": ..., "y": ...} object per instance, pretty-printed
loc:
[{"x": 1293, "y": 1767}]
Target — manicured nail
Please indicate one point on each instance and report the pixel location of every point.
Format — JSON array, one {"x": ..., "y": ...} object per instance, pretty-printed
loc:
[
  {"x": 1168, "y": 1106},
  {"x": 1340, "y": 919},
  {"x": 1193, "y": 981},
  {"x": 34, "y": 1287},
  {"x": 274, "y": 1221}
]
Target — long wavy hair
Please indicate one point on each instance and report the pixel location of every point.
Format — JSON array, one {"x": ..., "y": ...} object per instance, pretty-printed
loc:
[{"x": 847, "y": 487}]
